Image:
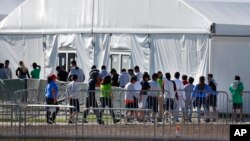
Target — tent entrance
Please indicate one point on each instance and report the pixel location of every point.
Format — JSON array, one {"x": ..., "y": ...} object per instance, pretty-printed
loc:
[
  {"x": 120, "y": 60},
  {"x": 65, "y": 57}
]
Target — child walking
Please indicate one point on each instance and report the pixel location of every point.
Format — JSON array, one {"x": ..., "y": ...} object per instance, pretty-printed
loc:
[{"x": 73, "y": 95}]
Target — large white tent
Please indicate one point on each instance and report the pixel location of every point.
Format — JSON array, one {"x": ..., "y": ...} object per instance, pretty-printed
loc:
[
  {"x": 7, "y": 6},
  {"x": 194, "y": 37}
]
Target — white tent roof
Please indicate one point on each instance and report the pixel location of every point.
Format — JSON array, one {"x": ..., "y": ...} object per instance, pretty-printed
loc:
[
  {"x": 231, "y": 17},
  {"x": 50, "y": 16},
  {"x": 7, "y": 6},
  {"x": 130, "y": 16}
]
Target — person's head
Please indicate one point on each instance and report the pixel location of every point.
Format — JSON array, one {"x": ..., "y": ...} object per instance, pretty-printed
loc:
[
  {"x": 190, "y": 80},
  {"x": 103, "y": 67},
  {"x": 177, "y": 75},
  {"x": 106, "y": 80},
  {"x": 73, "y": 63},
  {"x": 202, "y": 80},
  {"x": 209, "y": 76},
  {"x": 123, "y": 70},
  {"x": 58, "y": 68},
  {"x": 24, "y": 69},
  {"x": 21, "y": 63},
  {"x": 51, "y": 77},
  {"x": 145, "y": 76},
  {"x": 1, "y": 65},
  {"x": 136, "y": 69},
  {"x": 237, "y": 77},
  {"x": 34, "y": 65},
  {"x": 130, "y": 72},
  {"x": 184, "y": 77},
  {"x": 133, "y": 79},
  {"x": 6, "y": 63},
  {"x": 159, "y": 73},
  {"x": 74, "y": 77},
  {"x": 93, "y": 67},
  {"x": 168, "y": 76},
  {"x": 113, "y": 71},
  {"x": 155, "y": 76}
]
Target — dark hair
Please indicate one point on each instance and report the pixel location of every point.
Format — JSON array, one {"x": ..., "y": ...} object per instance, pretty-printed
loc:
[
  {"x": 74, "y": 77},
  {"x": 20, "y": 62},
  {"x": 130, "y": 71},
  {"x": 93, "y": 67},
  {"x": 113, "y": 71},
  {"x": 168, "y": 75},
  {"x": 191, "y": 80},
  {"x": 58, "y": 68},
  {"x": 145, "y": 75},
  {"x": 123, "y": 70},
  {"x": 34, "y": 64},
  {"x": 202, "y": 83},
  {"x": 1, "y": 65},
  {"x": 155, "y": 76},
  {"x": 73, "y": 62},
  {"x": 177, "y": 75},
  {"x": 184, "y": 77},
  {"x": 136, "y": 68},
  {"x": 106, "y": 80},
  {"x": 103, "y": 67},
  {"x": 7, "y": 61},
  {"x": 133, "y": 78},
  {"x": 237, "y": 77},
  {"x": 210, "y": 75}
]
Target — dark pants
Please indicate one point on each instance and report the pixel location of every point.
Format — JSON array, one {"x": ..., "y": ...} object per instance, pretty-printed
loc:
[
  {"x": 75, "y": 103},
  {"x": 91, "y": 102},
  {"x": 153, "y": 103},
  {"x": 50, "y": 101},
  {"x": 105, "y": 101}
]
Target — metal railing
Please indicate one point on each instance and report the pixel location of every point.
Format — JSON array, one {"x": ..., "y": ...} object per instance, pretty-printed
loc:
[{"x": 29, "y": 119}]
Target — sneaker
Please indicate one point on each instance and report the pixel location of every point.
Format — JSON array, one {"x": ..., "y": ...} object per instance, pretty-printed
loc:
[
  {"x": 49, "y": 122},
  {"x": 70, "y": 122},
  {"x": 159, "y": 120},
  {"x": 85, "y": 121},
  {"x": 129, "y": 121},
  {"x": 207, "y": 120},
  {"x": 101, "y": 122},
  {"x": 214, "y": 120},
  {"x": 116, "y": 120}
]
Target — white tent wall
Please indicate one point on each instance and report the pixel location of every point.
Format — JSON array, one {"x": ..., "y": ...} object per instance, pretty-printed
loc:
[
  {"x": 186, "y": 53},
  {"x": 140, "y": 52},
  {"x": 26, "y": 48},
  {"x": 82, "y": 43},
  {"x": 101, "y": 50},
  {"x": 230, "y": 57},
  {"x": 137, "y": 45}
]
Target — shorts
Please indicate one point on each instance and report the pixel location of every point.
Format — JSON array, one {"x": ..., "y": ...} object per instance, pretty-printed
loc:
[
  {"x": 153, "y": 103},
  {"x": 75, "y": 103},
  {"x": 237, "y": 105},
  {"x": 212, "y": 100}
]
